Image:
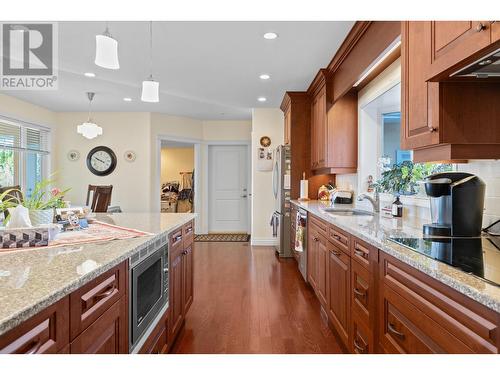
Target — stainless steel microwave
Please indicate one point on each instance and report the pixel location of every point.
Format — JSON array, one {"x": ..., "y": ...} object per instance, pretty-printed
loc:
[{"x": 148, "y": 288}]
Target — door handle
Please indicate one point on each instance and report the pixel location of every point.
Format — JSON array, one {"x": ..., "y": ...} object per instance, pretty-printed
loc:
[
  {"x": 392, "y": 329},
  {"x": 244, "y": 196}
]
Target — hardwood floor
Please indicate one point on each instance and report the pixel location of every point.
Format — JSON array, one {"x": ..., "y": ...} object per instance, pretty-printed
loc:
[{"x": 248, "y": 301}]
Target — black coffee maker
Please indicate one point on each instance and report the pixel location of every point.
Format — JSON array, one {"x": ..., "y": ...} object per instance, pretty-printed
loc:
[{"x": 457, "y": 203}]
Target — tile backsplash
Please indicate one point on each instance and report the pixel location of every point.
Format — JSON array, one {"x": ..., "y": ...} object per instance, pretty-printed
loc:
[{"x": 489, "y": 172}]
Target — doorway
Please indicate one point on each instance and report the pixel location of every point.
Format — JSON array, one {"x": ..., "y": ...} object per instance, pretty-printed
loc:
[
  {"x": 228, "y": 176},
  {"x": 177, "y": 177}
]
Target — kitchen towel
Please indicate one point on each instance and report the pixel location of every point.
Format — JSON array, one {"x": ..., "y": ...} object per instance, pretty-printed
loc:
[
  {"x": 299, "y": 233},
  {"x": 274, "y": 223},
  {"x": 304, "y": 189}
]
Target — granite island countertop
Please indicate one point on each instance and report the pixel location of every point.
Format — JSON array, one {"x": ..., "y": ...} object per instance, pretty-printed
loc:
[
  {"x": 33, "y": 279},
  {"x": 376, "y": 231}
]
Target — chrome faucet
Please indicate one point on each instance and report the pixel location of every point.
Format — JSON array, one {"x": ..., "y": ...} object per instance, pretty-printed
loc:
[{"x": 374, "y": 201}]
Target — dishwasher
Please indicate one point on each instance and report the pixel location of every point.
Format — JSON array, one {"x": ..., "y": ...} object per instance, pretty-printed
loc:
[{"x": 300, "y": 246}]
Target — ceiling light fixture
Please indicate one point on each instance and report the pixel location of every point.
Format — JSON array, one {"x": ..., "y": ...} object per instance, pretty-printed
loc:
[
  {"x": 270, "y": 35},
  {"x": 89, "y": 74},
  {"x": 89, "y": 129},
  {"x": 106, "y": 50},
  {"x": 384, "y": 55},
  {"x": 127, "y": 99},
  {"x": 150, "y": 87},
  {"x": 261, "y": 99},
  {"x": 264, "y": 76}
]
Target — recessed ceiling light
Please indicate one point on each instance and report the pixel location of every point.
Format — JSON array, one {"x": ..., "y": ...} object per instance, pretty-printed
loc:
[
  {"x": 89, "y": 74},
  {"x": 261, "y": 99},
  {"x": 270, "y": 35},
  {"x": 264, "y": 76},
  {"x": 127, "y": 99}
]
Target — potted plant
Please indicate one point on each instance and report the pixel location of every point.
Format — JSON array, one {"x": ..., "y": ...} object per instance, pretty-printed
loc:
[
  {"x": 41, "y": 203},
  {"x": 404, "y": 178}
]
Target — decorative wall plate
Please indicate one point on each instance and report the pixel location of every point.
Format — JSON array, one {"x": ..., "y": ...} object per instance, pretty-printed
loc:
[
  {"x": 129, "y": 156},
  {"x": 73, "y": 155},
  {"x": 265, "y": 141}
]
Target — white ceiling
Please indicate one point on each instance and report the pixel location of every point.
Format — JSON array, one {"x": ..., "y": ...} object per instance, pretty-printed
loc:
[{"x": 207, "y": 70}]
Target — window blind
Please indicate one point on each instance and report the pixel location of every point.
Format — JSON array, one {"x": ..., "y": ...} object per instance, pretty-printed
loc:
[{"x": 20, "y": 137}]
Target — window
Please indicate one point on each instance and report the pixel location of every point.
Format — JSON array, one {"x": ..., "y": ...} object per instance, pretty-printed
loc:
[{"x": 24, "y": 154}]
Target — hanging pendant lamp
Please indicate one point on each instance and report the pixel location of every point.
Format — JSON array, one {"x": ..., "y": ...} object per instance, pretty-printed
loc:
[
  {"x": 106, "y": 50},
  {"x": 89, "y": 129},
  {"x": 150, "y": 87}
]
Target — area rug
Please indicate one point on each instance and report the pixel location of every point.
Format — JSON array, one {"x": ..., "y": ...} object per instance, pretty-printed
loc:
[{"x": 222, "y": 237}]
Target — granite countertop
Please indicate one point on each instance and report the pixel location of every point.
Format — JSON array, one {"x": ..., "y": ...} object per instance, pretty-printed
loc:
[
  {"x": 376, "y": 230},
  {"x": 33, "y": 279}
]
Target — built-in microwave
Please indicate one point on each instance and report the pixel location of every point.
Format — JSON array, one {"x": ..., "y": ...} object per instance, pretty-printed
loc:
[{"x": 148, "y": 288}]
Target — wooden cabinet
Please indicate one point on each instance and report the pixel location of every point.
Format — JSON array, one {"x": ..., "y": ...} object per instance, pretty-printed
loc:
[
  {"x": 420, "y": 315},
  {"x": 180, "y": 278},
  {"x": 322, "y": 270},
  {"x": 317, "y": 257},
  {"x": 444, "y": 120},
  {"x": 158, "y": 341},
  {"x": 45, "y": 333},
  {"x": 452, "y": 42},
  {"x": 342, "y": 135},
  {"x": 361, "y": 340},
  {"x": 339, "y": 298},
  {"x": 495, "y": 31},
  {"x": 319, "y": 138},
  {"x": 108, "y": 334},
  {"x": 296, "y": 107}
]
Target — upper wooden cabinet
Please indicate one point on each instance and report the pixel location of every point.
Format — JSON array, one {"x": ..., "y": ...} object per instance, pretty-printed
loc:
[
  {"x": 296, "y": 107},
  {"x": 444, "y": 120},
  {"x": 317, "y": 90},
  {"x": 454, "y": 42}
]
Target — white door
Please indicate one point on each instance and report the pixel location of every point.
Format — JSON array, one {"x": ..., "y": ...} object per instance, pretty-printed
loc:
[{"x": 228, "y": 189}]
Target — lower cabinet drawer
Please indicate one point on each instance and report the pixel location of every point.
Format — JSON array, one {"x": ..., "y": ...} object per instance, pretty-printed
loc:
[
  {"x": 361, "y": 337},
  {"x": 45, "y": 333},
  {"x": 158, "y": 341},
  {"x": 107, "y": 335},
  {"x": 474, "y": 327},
  {"x": 362, "y": 296},
  {"x": 403, "y": 328},
  {"x": 89, "y": 302}
]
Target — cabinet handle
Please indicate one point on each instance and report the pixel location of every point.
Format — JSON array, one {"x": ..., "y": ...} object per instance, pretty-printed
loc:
[
  {"x": 480, "y": 27},
  {"x": 337, "y": 253},
  {"x": 35, "y": 347},
  {"x": 357, "y": 292},
  {"x": 432, "y": 129},
  {"x": 337, "y": 237},
  {"x": 107, "y": 293},
  {"x": 315, "y": 239},
  {"x": 360, "y": 253},
  {"x": 359, "y": 347},
  {"x": 393, "y": 330}
]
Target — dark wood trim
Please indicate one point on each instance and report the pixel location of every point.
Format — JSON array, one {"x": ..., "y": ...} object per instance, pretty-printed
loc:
[
  {"x": 317, "y": 83},
  {"x": 456, "y": 152}
]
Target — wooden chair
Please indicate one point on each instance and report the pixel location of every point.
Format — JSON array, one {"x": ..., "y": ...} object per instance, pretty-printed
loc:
[
  {"x": 15, "y": 195},
  {"x": 101, "y": 197}
]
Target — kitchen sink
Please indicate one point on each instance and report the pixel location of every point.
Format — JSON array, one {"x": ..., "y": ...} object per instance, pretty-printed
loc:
[{"x": 347, "y": 211}]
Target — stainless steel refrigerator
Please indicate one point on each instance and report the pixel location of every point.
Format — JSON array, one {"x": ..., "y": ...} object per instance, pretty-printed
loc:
[{"x": 281, "y": 191}]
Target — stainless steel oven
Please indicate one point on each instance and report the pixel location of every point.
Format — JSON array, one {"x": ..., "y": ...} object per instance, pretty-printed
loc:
[{"x": 148, "y": 287}]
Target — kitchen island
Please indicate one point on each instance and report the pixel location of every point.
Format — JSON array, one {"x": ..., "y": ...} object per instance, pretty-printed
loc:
[
  {"x": 380, "y": 296},
  {"x": 33, "y": 280}
]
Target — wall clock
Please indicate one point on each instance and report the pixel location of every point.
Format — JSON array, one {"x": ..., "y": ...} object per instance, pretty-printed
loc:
[{"x": 101, "y": 161}]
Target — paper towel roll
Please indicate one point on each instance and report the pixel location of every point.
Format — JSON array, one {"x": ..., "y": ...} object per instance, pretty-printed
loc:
[{"x": 304, "y": 189}]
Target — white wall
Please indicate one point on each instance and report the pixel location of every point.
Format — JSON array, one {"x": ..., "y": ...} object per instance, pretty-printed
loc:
[
  {"x": 122, "y": 131},
  {"x": 270, "y": 122},
  {"x": 226, "y": 130}
]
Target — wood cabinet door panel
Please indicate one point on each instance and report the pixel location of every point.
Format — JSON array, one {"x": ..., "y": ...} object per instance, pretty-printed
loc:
[
  {"x": 188, "y": 278},
  {"x": 361, "y": 338},
  {"x": 107, "y": 335},
  {"x": 288, "y": 124},
  {"x": 89, "y": 302},
  {"x": 495, "y": 31},
  {"x": 314, "y": 132},
  {"x": 321, "y": 135},
  {"x": 45, "y": 333},
  {"x": 176, "y": 302},
  {"x": 322, "y": 273},
  {"x": 339, "y": 297},
  {"x": 454, "y": 41},
  {"x": 188, "y": 234},
  {"x": 312, "y": 238},
  {"x": 419, "y": 98}
]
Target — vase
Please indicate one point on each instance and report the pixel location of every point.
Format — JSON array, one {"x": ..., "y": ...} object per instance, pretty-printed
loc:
[{"x": 39, "y": 217}]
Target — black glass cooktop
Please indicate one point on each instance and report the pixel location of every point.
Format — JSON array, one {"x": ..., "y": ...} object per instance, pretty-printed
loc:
[{"x": 478, "y": 256}]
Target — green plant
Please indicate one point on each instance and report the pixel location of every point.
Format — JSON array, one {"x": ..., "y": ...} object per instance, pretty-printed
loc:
[{"x": 404, "y": 178}]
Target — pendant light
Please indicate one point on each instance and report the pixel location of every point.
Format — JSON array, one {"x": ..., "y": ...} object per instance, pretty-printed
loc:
[
  {"x": 89, "y": 129},
  {"x": 106, "y": 50},
  {"x": 150, "y": 87}
]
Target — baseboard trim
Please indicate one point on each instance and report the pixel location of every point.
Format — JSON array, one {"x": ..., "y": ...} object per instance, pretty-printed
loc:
[{"x": 263, "y": 241}]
